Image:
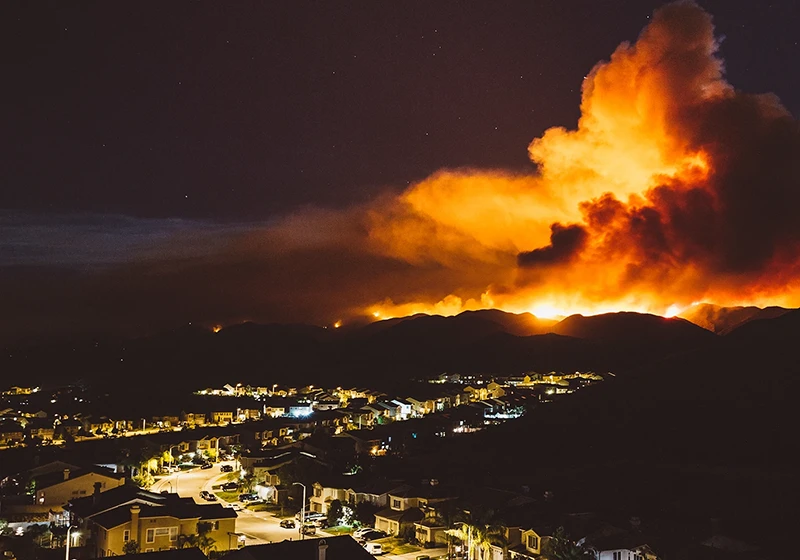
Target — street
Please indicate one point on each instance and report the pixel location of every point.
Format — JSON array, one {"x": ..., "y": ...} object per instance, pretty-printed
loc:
[{"x": 257, "y": 527}]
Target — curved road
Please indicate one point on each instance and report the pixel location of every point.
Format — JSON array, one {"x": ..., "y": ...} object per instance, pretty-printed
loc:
[{"x": 258, "y": 527}]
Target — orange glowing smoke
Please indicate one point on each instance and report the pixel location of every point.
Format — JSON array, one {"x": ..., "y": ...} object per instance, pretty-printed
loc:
[{"x": 649, "y": 205}]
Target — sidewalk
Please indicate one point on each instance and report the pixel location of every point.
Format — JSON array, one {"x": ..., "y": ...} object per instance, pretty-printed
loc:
[{"x": 432, "y": 552}]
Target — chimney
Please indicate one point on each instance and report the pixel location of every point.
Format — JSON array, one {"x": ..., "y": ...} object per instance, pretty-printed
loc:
[
  {"x": 321, "y": 549},
  {"x": 135, "y": 523},
  {"x": 66, "y": 474},
  {"x": 96, "y": 493}
]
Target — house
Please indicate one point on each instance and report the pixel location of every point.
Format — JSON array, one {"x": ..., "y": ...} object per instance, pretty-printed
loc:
[
  {"x": 625, "y": 545},
  {"x": 274, "y": 410},
  {"x": 49, "y": 487},
  {"x": 343, "y": 547},
  {"x": 327, "y": 402},
  {"x": 421, "y": 406},
  {"x": 155, "y": 521},
  {"x": 430, "y": 531},
  {"x": 407, "y": 507},
  {"x": 301, "y": 409},
  {"x": 193, "y": 419},
  {"x": 41, "y": 429},
  {"x": 222, "y": 417},
  {"x": 11, "y": 432},
  {"x": 97, "y": 425},
  {"x": 68, "y": 427},
  {"x": 405, "y": 409},
  {"x": 367, "y": 441},
  {"x": 243, "y": 414},
  {"x": 323, "y": 493},
  {"x": 56, "y": 486},
  {"x": 529, "y": 546},
  {"x": 391, "y": 410},
  {"x": 166, "y": 421},
  {"x": 375, "y": 491}
]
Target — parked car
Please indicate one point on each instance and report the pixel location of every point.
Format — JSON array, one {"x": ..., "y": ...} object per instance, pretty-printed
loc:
[
  {"x": 372, "y": 535},
  {"x": 226, "y": 468},
  {"x": 374, "y": 548},
  {"x": 359, "y": 533},
  {"x": 208, "y": 496},
  {"x": 206, "y": 466},
  {"x": 310, "y": 515},
  {"x": 308, "y": 529},
  {"x": 288, "y": 524},
  {"x": 230, "y": 486},
  {"x": 251, "y": 497},
  {"x": 320, "y": 522},
  {"x": 235, "y": 506}
]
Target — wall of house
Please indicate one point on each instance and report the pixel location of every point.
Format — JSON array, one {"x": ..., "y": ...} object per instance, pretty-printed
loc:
[
  {"x": 159, "y": 542},
  {"x": 221, "y": 535},
  {"x": 382, "y": 524},
  {"x": 83, "y": 485},
  {"x": 615, "y": 555}
]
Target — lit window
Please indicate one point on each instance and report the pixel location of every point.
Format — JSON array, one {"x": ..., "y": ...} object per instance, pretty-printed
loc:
[
  {"x": 126, "y": 535},
  {"x": 533, "y": 542},
  {"x": 151, "y": 536}
]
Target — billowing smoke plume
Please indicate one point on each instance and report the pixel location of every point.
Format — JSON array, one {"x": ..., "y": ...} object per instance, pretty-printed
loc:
[{"x": 674, "y": 188}]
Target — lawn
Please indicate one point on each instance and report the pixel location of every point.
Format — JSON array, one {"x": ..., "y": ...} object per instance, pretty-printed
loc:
[
  {"x": 339, "y": 530},
  {"x": 394, "y": 545},
  {"x": 228, "y": 496}
]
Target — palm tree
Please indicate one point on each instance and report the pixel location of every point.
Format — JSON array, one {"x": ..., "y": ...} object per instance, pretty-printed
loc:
[
  {"x": 480, "y": 531},
  {"x": 561, "y": 547}
]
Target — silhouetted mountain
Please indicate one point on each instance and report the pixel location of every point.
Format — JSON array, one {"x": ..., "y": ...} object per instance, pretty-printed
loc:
[
  {"x": 722, "y": 320},
  {"x": 633, "y": 339},
  {"x": 706, "y": 433},
  {"x": 491, "y": 341}
]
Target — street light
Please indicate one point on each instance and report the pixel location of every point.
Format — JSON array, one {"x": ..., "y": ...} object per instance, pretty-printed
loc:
[
  {"x": 171, "y": 447},
  {"x": 469, "y": 537},
  {"x": 302, "y": 511},
  {"x": 69, "y": 530}
]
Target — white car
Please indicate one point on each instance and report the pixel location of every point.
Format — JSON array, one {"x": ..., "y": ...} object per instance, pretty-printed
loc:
[
  {"x": 373, "y": 548},
  {"x": 361, "y": 532}
]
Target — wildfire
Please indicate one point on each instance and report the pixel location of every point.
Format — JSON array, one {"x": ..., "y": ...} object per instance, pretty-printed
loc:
[{"x": 644, "y": 207}]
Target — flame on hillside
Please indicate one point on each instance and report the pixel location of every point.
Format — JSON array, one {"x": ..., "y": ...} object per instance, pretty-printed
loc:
[{"x": 659, "y": 198}]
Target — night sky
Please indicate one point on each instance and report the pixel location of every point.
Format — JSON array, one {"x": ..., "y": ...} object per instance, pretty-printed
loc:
[{"x": 142, "y": 132}]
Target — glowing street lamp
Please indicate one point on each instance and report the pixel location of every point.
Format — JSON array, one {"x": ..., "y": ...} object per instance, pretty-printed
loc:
[
  {"x": 302, "y": 510},
  {"x": 69, "y": 535}
]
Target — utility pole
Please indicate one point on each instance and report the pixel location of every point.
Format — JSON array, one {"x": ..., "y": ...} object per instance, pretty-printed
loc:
[{"x": 302, "y": 511}]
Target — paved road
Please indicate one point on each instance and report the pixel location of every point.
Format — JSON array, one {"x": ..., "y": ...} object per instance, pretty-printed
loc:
[{"x": 258, "y": 527}]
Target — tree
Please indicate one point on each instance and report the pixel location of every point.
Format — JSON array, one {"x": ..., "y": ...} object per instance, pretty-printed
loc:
[
  {"x": 144, "y": 479},
  {"x": 335, "y": 512},
  {"x": 204, "y": 542},
  {"x": 365, "y": 513},
  {"x": 561, "y": 547},
  {"x": 200, "y": 540},
  {"x": 131, "y": 547},
  {"x": 479, "y": 531},
  {"x": 248, "y": 482}
]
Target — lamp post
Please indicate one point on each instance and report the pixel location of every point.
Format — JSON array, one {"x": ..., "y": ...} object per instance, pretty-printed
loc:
[
  {"x": 171, "y": 447},
  {"x": 302, "y": 510},
  {"x": 469, "y": 538},
  {"x": 69, "y": 531}
]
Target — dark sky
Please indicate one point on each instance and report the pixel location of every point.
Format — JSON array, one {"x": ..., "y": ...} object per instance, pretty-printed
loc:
[{"x": 127, "y": 123}]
